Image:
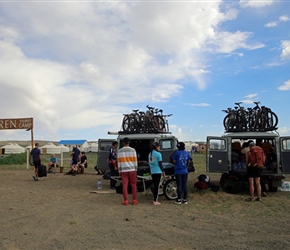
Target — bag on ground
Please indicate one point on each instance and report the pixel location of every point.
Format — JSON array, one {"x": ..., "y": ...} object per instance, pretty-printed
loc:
[{"x": 41, "y": 171}]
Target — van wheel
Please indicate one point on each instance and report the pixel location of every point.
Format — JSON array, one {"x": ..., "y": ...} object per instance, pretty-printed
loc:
[
  {"x": 170, "y": 189},
  {"x": 271, "y": 188},
  {"x": 232, "y": 183}
]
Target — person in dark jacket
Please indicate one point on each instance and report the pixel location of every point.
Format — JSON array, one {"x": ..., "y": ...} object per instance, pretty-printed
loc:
[{"x": 36, "y": 158}]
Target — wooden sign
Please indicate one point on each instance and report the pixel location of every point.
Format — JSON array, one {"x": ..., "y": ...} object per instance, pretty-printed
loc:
[{"x": 17, "y": 123}]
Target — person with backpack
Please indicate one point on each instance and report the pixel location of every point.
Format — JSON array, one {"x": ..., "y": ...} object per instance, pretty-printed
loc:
[
  {"x": 255, "y": 162},
  {"x": 181, "y": 158}
]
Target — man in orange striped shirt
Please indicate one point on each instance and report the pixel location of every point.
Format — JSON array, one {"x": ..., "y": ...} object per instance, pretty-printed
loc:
[{"x": 127, "y": 166}]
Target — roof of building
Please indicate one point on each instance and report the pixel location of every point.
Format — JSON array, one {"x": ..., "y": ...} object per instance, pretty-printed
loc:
[{"x": 72, "y": 142}]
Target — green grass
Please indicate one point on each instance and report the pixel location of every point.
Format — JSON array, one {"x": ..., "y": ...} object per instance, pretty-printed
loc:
[{"x": 18, "y": 161}]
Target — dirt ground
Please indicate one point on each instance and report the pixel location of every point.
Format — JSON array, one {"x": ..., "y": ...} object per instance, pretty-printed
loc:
[{"x": 60, "y": 212}]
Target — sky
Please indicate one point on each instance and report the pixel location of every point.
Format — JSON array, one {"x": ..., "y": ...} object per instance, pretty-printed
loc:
[{"x": 77, "y": 66}]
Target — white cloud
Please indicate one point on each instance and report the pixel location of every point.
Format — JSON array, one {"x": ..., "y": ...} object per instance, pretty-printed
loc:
[
  {"x": 271, "y": 24},
  {"x": 250, "y": 96},
  {"x": 255, "y": 3},
  {"x": 285, "y": 86},
  {"x": 89, "y": 61},
  {"x": 285, "y": 49},
  {"x": 200, "y": 104},
  {"x": 226, "y": 42},
  {"x": 284, "y": 18},
  {"x": 284, "y": 131}
]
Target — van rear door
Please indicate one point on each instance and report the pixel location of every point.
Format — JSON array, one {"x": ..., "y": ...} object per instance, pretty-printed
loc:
[
  {"x": 216, "y": 154},
  {"x": 285, "y": 154},
  {"x": 104, "y": 146}
]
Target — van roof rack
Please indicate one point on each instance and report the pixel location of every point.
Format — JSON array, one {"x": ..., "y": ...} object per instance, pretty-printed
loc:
[{"x": 133, "y": 132}]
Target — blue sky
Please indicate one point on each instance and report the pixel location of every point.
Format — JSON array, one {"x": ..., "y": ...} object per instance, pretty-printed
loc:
[{"x": 77, "y": 66}]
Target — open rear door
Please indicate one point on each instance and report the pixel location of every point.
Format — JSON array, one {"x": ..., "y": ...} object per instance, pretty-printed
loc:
[
  {"x": 216, "y": 155},
  {"x": 104, "y": 146},
  {"x": 285, "y": 154}
]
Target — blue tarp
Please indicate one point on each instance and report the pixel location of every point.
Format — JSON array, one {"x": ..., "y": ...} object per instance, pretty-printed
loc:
[{"x": 72, "y": 142}]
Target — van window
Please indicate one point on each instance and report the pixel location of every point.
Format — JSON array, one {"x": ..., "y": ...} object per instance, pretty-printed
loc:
[
  {"x": 166, "y": 144},
  {"x": 217, "y": 144},
  {"x": 286, "y": 144},
  {"x": 105, "y": 145}
]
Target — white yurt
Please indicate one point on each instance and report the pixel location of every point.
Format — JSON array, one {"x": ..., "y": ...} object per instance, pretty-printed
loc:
[
  {"x": 13, "y": 148},
  {"x": 63, "y": 148},
  {"x": 93, "y": 147},
  {"x": 50, "y": 148}
]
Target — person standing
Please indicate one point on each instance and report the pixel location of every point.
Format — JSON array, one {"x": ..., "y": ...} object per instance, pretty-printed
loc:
[
  {"x": 127, "y": 166},
  {"x": 36, "y": 157},
  {"x": 255, "y": 163},
  {"x": 181, "y": 158},
  {"x": 75, "y": 154},
  {"x": 113, "y": 164},
  {"x": 156, "y": 169}
]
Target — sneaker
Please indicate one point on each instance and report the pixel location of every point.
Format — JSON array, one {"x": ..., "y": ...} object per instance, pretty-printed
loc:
[
  {"x": 35, "y": 178},
  {"x": 258, "y": 199},
  {"x": 185, "y": 202},
  {"x": 249, "y": 199},
  {"x": 156, "y": 203},
  {"x": 125, "y": 203},
  {"x": 134, "y": 202},
  {"x": 178, "y": 202}
]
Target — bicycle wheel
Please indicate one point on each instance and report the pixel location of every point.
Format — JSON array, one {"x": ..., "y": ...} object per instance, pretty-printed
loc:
[
  {"x": 272, "y": 120},
  {"x": 226, "y": 122},
  {"x": 232, "y": 183},
  {"x": 160, "y": 123},
  {"x": 126, "y": 123},
  {"x": 170, "y": 189}
]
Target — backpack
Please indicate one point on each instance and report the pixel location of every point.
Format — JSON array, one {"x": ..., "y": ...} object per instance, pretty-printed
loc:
[{"x": 256, "y": 157}]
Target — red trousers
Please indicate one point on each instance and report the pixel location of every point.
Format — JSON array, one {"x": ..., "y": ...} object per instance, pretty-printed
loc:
[{"x": 129, "y": 177}]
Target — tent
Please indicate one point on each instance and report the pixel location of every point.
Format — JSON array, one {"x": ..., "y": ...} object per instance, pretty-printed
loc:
[
  {"x": 82, "y": 145},
  {"x": 93, "y": 147},
  {"x": 13, "y": 148},
  {"x": 63, "y": 148},
  {"x": 50, "y": 148}
]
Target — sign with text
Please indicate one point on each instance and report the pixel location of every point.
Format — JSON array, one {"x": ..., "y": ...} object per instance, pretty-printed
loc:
[{"x": 17, "y": 123}]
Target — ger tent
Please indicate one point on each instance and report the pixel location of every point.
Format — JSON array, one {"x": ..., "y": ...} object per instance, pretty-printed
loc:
[
  {"x": 93, "y": 147},
  {"x": 50, "y": 148},
  {"x": 63, "y": 148},
  {"x": 13, "y": 148}
]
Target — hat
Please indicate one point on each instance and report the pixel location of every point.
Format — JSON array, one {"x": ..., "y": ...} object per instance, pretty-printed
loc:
[
  {"x": 126, "y": 140},
  {"x": 155, "y": 144},
  {"x": 181, "y": 145}
]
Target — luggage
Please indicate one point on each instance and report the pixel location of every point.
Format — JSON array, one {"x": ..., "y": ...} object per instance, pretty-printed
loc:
[
  {"x": 42, "y": 171},
  {"x": 143, "y": 170}
]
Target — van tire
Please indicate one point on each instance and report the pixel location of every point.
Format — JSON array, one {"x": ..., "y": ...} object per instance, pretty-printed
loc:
[
  {"x": 170, "y": 189},
  {"x": 232, "y": 183}
]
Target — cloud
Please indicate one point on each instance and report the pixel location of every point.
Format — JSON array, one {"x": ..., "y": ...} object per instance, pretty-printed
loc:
[
  {"x": 200, "y": 104},
  {"x": 285, "y": 49},
  {"x": 271, "y": 24},
  {"x": 84, "y": 65},
  {"x": 226, "y": 42},
  {"x": 284, "y": 18},
  {"x": 255, "y": 3},
  {"x": 251, "y": 96},
  {"x": 285, "y": 86}
]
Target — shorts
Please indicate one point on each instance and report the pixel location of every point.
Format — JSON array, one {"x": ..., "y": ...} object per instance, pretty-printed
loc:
[
  {"x": 36, "y": 164},
  {"x": 254, "y": 172},
  {"x": 74, "y": 162}
]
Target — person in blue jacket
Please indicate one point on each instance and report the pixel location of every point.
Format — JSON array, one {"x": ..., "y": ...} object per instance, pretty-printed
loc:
[
  {"x": 156, "y": 169},
  {"x": 181, "y": 158}
]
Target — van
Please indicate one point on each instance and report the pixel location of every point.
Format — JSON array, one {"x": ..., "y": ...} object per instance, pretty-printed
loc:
[
  {"x": 223, "y": 155},
  {"x": 142, "y": 143}
]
